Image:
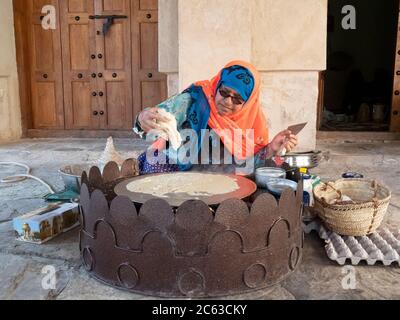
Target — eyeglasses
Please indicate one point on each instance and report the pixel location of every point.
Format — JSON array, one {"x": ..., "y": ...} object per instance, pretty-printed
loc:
[{"x": 235, "y": 99}]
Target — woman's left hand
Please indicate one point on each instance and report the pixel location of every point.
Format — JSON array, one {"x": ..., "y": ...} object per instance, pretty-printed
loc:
[{"x": 284, "y": 139}]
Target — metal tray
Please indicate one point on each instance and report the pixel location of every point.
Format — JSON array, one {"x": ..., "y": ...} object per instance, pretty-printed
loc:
[{"x": 246, "y": 189}]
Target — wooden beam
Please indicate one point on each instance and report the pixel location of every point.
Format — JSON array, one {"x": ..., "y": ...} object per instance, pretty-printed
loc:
[
  {"x": 22, "y": 30},
  {"x": 321, "y": 94},
  {"x": 395, "y": 110}
]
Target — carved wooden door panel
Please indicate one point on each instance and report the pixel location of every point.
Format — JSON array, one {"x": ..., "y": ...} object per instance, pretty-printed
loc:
[
  {"x": 114, "y": 65},
  {"x": 149, "y": 85},
  {"x": 79, "y": 64},
  {"x": 46, "y": 69},
  {"x": 97, "y": 66}
]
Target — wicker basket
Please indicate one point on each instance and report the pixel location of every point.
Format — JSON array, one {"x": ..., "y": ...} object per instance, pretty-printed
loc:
[{"x": 358, "y": 217}]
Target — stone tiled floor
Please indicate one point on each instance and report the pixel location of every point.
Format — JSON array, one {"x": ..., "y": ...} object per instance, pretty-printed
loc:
[{"x": 317, "y": 277}]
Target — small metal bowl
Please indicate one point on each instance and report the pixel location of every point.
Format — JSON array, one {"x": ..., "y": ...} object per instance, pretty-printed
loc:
[
  {"x": 264, "y": 174},
  {"x": 277, "y": 185}
]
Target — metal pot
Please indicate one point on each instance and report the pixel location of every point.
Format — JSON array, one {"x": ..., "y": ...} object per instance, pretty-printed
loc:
[
  {"x": 264, "y": 174},
  {"x": 303, "y": 159},
  {"x": 71, "y": 176},
  {"x": 277, "y": 185}
]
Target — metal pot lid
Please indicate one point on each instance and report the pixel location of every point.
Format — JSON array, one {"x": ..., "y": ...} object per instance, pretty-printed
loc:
[{"x": 270, "y": 171}]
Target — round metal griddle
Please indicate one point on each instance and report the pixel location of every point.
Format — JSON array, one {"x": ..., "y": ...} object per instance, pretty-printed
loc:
[{"x": 246, "y": 188}]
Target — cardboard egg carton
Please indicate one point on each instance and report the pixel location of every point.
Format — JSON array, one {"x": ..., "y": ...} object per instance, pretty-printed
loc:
[{"x": 381, "y": 246}]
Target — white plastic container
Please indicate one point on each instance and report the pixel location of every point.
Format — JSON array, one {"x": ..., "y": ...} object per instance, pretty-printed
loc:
[{"x": 308, "y": 188}]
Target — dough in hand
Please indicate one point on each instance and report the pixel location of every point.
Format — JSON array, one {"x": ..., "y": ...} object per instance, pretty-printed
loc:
[{"x": 168, "y": 129}]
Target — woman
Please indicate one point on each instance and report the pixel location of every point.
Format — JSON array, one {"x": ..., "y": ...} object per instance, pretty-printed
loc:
[{"x": 227, "y": 104}]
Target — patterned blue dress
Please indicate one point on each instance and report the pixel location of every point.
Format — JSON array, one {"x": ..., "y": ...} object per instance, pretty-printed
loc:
[{"x": 179, "y": 106}]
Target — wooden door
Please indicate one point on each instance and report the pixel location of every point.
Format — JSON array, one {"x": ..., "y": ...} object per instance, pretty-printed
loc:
[
  {"x": 80, "y": 78},
  {"x": 97, "y": 67},
  {"x": 395, "y": 110},
  {"x": 149, "y": 85},
  {"x": 114, "y": 65},
  {"x": 79, "y": 64},
  {"x": 46, "y": 69}
]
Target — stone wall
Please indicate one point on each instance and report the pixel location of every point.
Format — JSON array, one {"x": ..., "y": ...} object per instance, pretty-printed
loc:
[
  {"x": 168, "y": 43},
  {"x": 10, "y": 114},
  {"x": 285, "y": 40}
]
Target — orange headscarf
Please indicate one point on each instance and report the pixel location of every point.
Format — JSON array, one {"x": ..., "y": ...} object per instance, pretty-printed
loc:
[
  {"x": 250, "y": 116},
  {"x": 229, "y": 127}
]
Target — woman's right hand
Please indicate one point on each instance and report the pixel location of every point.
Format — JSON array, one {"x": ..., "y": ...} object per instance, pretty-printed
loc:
[
  {"x": 283, "y": 139},
  {"x": 148, "y": 119}
]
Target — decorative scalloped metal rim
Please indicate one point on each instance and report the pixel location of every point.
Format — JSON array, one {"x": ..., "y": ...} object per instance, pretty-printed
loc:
[{"x": 199, "y": 252}]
